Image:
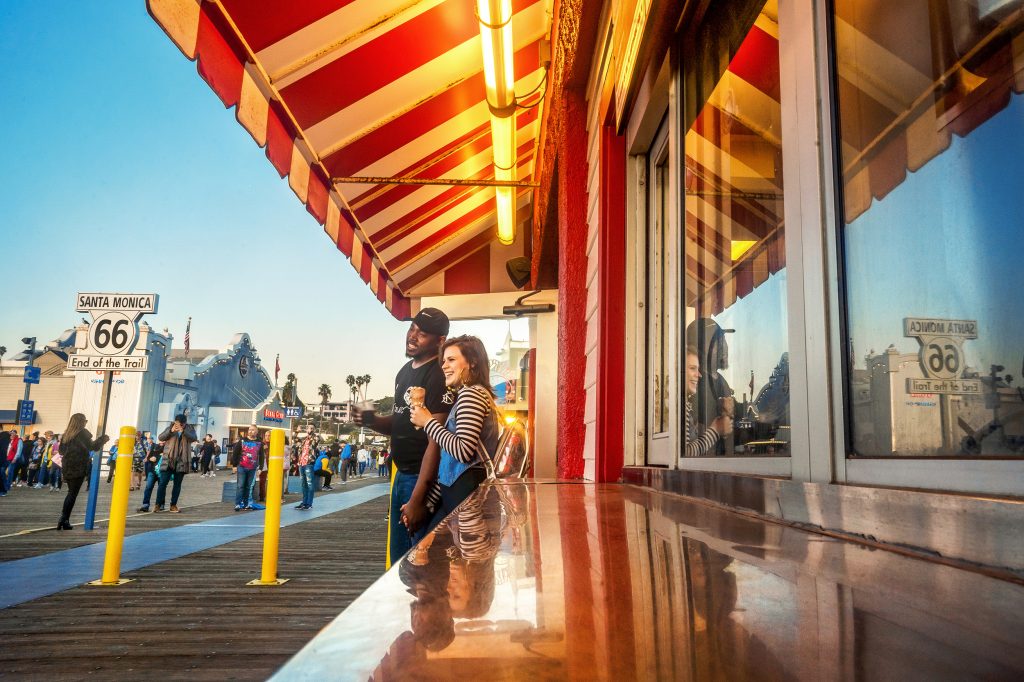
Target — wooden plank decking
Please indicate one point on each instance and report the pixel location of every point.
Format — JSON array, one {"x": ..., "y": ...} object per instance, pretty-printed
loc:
[{"x": 194, "y": 617}]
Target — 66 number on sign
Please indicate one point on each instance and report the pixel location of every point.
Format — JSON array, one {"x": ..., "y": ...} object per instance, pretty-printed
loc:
[
  {"x": 112, "y": 333},
  {"x": 942, "y": 357}
]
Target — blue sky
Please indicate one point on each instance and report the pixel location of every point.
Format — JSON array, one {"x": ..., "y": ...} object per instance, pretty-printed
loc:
[
  {"x": 940, "y": 247},
  {"x": 122, "y": 171}
]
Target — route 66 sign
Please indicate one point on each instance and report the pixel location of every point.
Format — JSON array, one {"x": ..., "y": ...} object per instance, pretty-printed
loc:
[{"x": 942, "y": 353}]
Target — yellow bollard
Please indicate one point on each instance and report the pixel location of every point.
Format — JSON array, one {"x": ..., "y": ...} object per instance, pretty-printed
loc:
[
  {"x": 387, "y": 549},
  {"x": 118, "y": 510},
  {"x": 272, "y": 515}
]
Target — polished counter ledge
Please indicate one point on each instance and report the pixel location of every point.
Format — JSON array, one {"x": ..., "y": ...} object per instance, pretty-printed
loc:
[{"x": 549, "y": 580}]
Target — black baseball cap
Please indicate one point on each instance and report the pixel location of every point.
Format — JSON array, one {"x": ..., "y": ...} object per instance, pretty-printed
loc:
[{"x": 432, "y": 321}]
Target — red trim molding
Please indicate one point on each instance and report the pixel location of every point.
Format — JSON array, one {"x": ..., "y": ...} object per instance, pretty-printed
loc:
[{"x": 611, "y": 385}]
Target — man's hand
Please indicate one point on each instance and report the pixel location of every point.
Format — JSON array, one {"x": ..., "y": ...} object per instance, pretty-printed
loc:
[{"x": 413, "y": 516}]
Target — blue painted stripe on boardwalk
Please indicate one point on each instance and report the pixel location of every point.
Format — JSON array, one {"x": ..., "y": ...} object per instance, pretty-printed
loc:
[{"x": 40, "y": 576}]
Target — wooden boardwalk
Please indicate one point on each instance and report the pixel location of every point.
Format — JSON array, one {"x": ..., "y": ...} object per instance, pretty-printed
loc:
[
  {"x": 194, "y": 617},
  {"x": 38, "y": 510}
]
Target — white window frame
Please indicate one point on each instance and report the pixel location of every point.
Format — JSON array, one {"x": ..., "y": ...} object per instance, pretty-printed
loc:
[
  {"x": 795, "y": 465},
  {"x": 828, "y": 448}
]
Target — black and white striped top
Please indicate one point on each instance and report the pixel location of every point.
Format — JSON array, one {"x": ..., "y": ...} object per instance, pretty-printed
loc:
[
  {"x": 472, "y": 407},
  {"x": 698, "y": 444}
]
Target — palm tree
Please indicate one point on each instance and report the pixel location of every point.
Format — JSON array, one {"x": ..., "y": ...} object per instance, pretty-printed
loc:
[
  {"x": 359, "y": 386},
  {"x": 351, "y": 381},
  {"x": 366, "y": 384},
  {"x": 325, "y": 393},
  {"x": 288, "y": 396}
]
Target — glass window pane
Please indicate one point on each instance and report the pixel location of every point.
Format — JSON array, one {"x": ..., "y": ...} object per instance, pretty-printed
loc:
[
  {"x": 736, "y": 358},
  {"x": 931, "y": 119}
]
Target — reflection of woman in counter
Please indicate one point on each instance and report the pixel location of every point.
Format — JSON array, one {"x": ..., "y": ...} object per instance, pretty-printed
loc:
[
  {"x": 476, "y": 537},
  {"x": 470, "y": 436}
]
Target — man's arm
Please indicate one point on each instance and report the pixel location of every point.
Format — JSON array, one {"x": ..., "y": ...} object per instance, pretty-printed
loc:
[
  {"x": 415, "y": 508},
  {"x": 380, "y": 424}
]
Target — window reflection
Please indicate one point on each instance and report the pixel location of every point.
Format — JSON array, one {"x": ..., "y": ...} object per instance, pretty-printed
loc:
[
  {"x": 932, "y": 132},
  {"x": 737, "y": 393}
]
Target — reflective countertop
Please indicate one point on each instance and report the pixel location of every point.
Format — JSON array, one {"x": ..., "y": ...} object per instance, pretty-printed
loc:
[{"x": 531, "y": 580}]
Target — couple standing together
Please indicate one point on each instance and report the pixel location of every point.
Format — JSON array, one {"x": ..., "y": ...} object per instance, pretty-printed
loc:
[{"x": 440, "y": 442}]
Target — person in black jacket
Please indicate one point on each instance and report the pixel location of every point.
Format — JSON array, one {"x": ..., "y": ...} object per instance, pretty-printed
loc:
[{"x": 74, "y": 449}]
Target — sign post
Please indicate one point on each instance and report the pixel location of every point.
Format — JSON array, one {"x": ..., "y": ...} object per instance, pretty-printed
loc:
[{"x": 113, "y": 333}]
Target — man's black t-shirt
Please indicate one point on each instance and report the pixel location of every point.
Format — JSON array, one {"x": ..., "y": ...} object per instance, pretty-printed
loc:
[{"x": 407, "y": 442}]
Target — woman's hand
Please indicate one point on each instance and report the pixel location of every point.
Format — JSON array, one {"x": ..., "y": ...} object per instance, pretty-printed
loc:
[{"x": 419, "y": 416}]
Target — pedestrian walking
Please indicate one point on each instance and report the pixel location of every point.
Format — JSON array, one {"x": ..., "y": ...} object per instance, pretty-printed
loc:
[
  {"x": 346, "y": 457},
  {"x": 415, "y": 455},
  {"x": 151, "y": 470},
  {"x": 75, "y": 448},
  {"x": 17, "y": 469},
  {"x": 35, "y": 463},
  {"x": 44, "y": 465},
  {"x": 381, "y": 460},
  {"x": 138, "y": 461},
  {"x": 334, "y": 457},
  {"x": 206, "y": 452},
  {"x": 247, "y": 457},
  {"x": 362, "y": 457},
  {"x": 178, "y": 439},
  {"x": 111, "y": 462},
  {"x": 307, "y": 459},
  {"x": 56, "y": 472},
  {"x": 5, "y": 444}
]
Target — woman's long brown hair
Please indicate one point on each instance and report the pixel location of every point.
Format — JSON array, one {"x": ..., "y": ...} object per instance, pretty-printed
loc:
[
  {"x": 473, "y": 351},
  {"x": 75, "y": 426}
]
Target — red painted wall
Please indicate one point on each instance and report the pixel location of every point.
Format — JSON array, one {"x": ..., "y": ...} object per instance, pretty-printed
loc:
[{"x": 572, "y": 292}]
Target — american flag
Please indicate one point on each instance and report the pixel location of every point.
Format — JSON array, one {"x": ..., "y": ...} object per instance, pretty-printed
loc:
[{"x": 188, "y": 336}]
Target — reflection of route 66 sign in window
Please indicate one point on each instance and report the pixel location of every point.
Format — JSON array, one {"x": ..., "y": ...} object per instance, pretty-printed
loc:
[
  {"x": 942, "y": 357},
  {"x": 942, "y": 344},
  {"x": 243, "y": 366},
  {"x": 112, "y": 333}
]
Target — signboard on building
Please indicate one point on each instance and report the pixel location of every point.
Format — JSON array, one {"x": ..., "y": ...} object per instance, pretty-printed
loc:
[
  {"x": 32, "y": 374},
  {"x": 293, "y": 412},
  {"x": 26, "y": 412},
  {"x": 113, "y": 332},
  {"x": 273, "y": 415}
]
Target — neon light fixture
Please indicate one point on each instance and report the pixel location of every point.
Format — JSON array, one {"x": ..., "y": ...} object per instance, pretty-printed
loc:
[{"x": 495, "y": 18}]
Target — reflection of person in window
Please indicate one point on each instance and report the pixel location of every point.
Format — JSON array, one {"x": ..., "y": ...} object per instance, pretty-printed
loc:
[
  {"x": 707, "y": 339},
  {"x": 700, "y": 443}
]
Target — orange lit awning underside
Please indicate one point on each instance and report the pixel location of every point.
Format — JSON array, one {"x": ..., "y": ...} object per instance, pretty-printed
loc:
[{"x": 391, "y": 91}]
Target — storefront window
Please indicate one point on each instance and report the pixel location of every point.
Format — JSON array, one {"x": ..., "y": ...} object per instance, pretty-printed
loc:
[
  {"x": 931, "y": 122},
  {"x": 736, "y": 367}
]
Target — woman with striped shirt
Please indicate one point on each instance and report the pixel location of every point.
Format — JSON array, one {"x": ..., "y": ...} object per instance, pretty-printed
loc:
[{"x": 469, "y": 437}]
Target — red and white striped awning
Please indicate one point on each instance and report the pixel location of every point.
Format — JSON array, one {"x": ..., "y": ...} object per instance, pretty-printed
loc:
[{"x": 350, "y": 98}]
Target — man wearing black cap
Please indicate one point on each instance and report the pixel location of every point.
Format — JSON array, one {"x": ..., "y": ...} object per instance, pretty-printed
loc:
[{"x": 415, "y": 455}]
